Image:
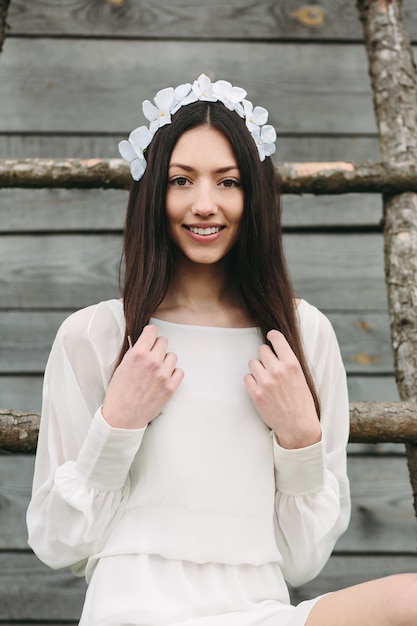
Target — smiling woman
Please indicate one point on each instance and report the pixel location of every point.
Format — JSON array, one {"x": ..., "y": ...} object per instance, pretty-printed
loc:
[{"x": 192, "y": 451}]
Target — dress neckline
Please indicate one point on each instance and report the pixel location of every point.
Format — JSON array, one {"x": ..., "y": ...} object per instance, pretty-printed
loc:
[
  {"x": 250, "y": 329},
  {"x": 234, "y": 329}
]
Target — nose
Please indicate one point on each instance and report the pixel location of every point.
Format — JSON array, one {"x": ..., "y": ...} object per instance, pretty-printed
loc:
[{"x": 204, "y": 200}]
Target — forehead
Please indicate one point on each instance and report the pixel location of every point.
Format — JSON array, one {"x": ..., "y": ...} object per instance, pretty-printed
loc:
[{"x": 203, "y": 142}]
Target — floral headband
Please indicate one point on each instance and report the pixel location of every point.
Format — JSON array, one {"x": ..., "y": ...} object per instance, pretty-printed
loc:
[{"x": 169, "y": 100}]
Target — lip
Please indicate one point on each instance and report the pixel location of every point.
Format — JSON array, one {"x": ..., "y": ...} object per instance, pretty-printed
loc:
[{"x": 203, "y": 237}]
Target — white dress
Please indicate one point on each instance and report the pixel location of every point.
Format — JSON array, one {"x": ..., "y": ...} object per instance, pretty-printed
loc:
[{"x": 199, "y": 518}]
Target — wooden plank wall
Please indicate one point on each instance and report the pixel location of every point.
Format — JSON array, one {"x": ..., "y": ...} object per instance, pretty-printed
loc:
[{"x": 72, "y": 76}]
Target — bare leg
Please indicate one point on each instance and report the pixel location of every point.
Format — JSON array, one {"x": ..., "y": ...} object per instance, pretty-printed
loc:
[{"x": 390, "y": 601}]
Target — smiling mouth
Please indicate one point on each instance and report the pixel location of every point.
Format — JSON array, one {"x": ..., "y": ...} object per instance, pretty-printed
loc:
[{"x": 210, "y": 230}]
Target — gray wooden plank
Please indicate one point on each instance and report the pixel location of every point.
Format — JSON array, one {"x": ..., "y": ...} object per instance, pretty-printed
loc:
[
  {"x": 291, "y": 147},
  {"x": 31, "y": 591},
  {"x": 58, "y": 272},
  {"x": 364, "y": 341},
  {"x": 26, "y": 339},
  {"x": 338, "y": 272},
  {"x": 383, "y": 517},
  {"x": 236, "y": 19},
  {"x": 48, "y": 210},
  {"x": 216, "y": 19},
  {"x": 348, "y": 210},
  {"x": 331, "y": 147},
  {"x": 16, "y": 471},
  {"x": 22, "y": 393},
  {"x": 372, "y": 389},
  {"x": 94, "y": 85},
  {"x": 376, "y": 449},
  {"x": 382, "y": 511},
  {"x": 28, "y": 335},
  {"x": 79, "y": 210},
  {"x": 333, "y": 271}
]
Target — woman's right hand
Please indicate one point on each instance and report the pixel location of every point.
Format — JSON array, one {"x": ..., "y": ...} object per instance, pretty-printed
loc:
[{"x": 143, "y": 383}]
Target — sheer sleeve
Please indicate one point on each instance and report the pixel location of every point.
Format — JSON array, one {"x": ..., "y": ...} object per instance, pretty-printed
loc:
[
  {"x": 81, "y": 479},
  {"x": 312, "y": 488}
]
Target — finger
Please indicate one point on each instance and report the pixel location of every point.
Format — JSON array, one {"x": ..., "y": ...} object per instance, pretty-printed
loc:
[
  {"x": 169, "y": 363},
  {"x": 281, "y": 346},
  {"x": 267, "y": 357},
  {"x": 159, "y": 348},
  {"x": 257, "y": 369},
  {"x": 250, "y": 383},
  {"x": 150, "y": 343},
  {"x": 177, "y": 376},
  {"x": 147, "y": 338}
]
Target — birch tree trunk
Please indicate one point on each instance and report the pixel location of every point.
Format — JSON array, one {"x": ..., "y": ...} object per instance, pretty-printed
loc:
[
  {"x": 4, "y": 6},
  {"x": 393, "y": 76}
]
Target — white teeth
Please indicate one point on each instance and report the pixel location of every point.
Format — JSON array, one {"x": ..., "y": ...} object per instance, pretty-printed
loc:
[{"x": 205, "y": 231}]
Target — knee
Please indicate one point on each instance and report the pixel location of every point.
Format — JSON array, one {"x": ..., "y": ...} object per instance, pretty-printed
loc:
[{"x": 407, "y": 599}]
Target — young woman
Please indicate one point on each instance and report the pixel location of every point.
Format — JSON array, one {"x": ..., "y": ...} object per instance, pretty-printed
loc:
[{"x": 191, "y": 456}]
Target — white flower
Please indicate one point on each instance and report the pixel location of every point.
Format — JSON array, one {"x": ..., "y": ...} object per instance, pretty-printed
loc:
[
  {"x": 168, "y": 101},
  {"x": 183, "y": 94},
  {"x": 203, "y": 88},
  {"x": 133, "y": 149},
  {"x": 159, "y": 113},
  {"x": 254, "y": 117},
  {"x": 229, "y": 95},
  {"x": 265, "y": 138}
]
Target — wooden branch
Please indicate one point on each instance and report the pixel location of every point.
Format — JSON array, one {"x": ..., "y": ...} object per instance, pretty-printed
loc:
[
  {"x": 370, "y": 422},
  {"x": 383, "y": 422},
  {"x": 18, "y": 431},
  {"x": 347, "y": 177},
  {"x": 296, "y": 178},
  {"x": 394, "y": 83},
  {"x": 65, "y": 173}
]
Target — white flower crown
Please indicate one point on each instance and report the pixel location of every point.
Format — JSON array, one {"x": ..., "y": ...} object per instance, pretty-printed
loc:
[{"x": 169, "y": 100}]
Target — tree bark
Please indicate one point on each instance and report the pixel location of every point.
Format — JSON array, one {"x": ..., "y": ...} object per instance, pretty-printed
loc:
[
  {"x": 18, "y": 431},
  {"x": 4, "y": 7},
  {"x": 370, "y": 422},
  {"x": 393, "y": 76},
  {"x": 65, "y": 173},
  {"x": 295, "y": 178},
  {"x": 383, "y": 422}
]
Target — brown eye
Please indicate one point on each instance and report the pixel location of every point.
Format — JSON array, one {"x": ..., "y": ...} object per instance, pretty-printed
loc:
[
  {"x": 179, "y": 181},
  {"x": 229, "y": 183}
]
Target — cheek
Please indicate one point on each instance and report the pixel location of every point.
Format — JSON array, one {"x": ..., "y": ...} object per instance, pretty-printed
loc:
[
  {"x": 173, "y": 223},
  {"x": 239, "y": 212},
  {"x": 171, "y": 211},
  {"x": 238, "y": 223}
]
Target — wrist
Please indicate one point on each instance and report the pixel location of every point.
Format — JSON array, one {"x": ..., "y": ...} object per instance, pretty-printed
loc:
[
  {"x": 120, "y": 420},
  {"x": 294, "y": 440}
]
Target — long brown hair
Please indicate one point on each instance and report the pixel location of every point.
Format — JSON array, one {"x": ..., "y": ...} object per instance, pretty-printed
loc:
[{"x": 258, "y": 265}]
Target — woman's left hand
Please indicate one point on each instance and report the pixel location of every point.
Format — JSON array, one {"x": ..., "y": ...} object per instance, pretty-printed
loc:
[{"x": 279, "y": 391}]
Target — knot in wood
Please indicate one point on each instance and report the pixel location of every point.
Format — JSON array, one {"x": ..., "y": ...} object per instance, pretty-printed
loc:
[{"x": 310, "y": 15}]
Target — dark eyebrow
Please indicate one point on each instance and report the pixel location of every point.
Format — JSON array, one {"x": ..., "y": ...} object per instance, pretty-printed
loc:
[{"x": 189, "y": 168}]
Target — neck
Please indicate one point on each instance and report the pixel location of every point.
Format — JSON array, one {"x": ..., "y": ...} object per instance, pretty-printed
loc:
[{"x": 203, "y": 295}]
